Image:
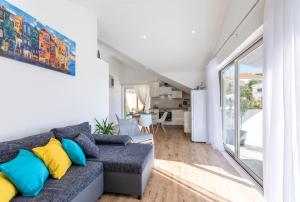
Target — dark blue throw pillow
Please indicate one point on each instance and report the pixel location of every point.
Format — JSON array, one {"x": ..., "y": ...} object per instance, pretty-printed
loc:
[{"x": 89, "y": 148}]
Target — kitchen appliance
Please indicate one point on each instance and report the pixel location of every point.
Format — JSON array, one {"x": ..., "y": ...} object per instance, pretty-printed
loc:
[{"x": 198, "y": 111}]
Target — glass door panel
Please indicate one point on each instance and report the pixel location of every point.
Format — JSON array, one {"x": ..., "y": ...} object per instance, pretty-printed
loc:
[
  {"x": 228, "y": 106},
  {"x": 250, "y": 110}
]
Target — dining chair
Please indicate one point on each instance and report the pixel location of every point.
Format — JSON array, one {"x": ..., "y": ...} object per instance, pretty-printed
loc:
[
  {"x": 146, "y": 122},
  {"x": 131, "y": 128},
  {"x": 160, "y": 123},
  {"x": 117, "y": 117}
]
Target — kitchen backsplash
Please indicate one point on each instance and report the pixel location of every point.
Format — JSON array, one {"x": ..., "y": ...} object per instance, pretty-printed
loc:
[{"x": 168, "y": 103}]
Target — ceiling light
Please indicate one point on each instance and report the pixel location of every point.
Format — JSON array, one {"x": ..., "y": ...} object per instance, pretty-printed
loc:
[
  {"x": 193, "y": 31},
  {"x": 144, "y": 36}
]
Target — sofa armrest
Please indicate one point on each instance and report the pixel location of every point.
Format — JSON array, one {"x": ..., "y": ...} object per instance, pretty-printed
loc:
[{"x": 112, "y": 139}]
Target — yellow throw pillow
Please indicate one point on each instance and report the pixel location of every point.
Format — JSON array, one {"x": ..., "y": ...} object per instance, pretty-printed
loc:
[
  {"x": 54, "y": 157},
  {"x": 7, "y": 189}
]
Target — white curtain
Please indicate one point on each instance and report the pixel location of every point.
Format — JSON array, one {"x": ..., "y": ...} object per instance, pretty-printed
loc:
[
  {"x": 143, "y": 94},
  {"x": 282, "y": 101},
  {"x": 214, "y": 118}
]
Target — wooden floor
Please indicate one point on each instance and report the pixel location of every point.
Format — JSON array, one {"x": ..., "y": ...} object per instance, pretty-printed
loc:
[{"x": 186, "y": 171}]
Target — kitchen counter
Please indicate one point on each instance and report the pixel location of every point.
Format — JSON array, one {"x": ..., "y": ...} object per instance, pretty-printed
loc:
[{"x": 171, "y": 108}]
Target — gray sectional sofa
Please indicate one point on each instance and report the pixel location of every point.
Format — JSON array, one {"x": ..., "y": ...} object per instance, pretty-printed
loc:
[{"x": 122, "y": 168}]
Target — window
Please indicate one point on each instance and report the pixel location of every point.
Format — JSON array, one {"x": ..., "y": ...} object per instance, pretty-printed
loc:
[
  {"x": 132, "y": 103},
  {"x": 241, "y": 84}
]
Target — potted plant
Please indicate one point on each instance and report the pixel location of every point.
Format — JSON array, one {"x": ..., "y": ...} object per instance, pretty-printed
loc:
[{"x": 104, "y": 128}]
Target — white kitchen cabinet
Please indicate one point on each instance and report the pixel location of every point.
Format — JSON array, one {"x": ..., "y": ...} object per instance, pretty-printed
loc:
[
  {"x": 176, "y": 94},
  {"x": 154, "y": 90},
  {"x": 187, "y": 122},
  {"x": 177, "y": 117},
  {"x": 165, "y": 90}
]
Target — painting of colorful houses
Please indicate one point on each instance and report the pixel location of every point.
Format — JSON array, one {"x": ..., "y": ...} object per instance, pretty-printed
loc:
[{"x": 25, "y": 39}]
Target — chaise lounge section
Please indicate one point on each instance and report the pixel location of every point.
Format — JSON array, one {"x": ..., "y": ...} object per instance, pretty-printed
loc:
[{"x": 126, "y": 168}]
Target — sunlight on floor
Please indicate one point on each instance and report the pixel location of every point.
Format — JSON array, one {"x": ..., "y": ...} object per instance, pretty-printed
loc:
[{"x": 208, "y": 181}]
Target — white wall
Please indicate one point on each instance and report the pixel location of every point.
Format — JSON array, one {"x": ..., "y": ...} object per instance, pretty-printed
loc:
[
  {"x": 115, "y": 93},
  {"x": 236, "y": 11},
  {"x": 124, "y": 75},
  {"x": 189, "y": 79},
  {"x": 34, "y": 99}
]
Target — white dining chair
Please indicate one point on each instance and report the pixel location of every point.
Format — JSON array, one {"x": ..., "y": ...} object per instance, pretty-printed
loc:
[
  {"x": 130, "y": 127},
  {"x": 160, "y": 123},
  {"x": 146, "y": 122}
]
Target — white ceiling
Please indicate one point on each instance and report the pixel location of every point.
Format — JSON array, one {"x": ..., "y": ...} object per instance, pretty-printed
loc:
[{"x": 170, "y": 45}]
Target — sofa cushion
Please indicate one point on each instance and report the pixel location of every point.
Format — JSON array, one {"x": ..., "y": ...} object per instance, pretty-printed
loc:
[
  {"x": 74, "y": 152},
  {"x": 66, "y": 189},
  {"x": 112, "y": 139},
  {"x": 89, "y": 148},
  {"x": 27, "y": 172},
  {"x": 131, "y": 158},
  {"x": 72, "y": 132},
  {"x": 7, "y": 188},
  {"x": 10, "y": 149},
  {"x": 54, "y": 157}
]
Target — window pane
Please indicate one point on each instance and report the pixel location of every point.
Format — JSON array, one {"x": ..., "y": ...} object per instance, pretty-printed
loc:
[
  {"x": 228, "y": 84},
  {"x": 250, "y": 111}
]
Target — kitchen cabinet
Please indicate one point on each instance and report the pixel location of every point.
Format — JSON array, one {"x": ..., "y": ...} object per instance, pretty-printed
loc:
[
  {"x": 165, "y": 90},
  {"x": 177, "y": 118},
  {"x": 187, "y": 122},
  {"x": 154, "y": 89},
  {"x": 176, "y": 94}
]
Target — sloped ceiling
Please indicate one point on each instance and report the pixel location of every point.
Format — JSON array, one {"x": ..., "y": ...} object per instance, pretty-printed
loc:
[{"x": 166, "y": 36}]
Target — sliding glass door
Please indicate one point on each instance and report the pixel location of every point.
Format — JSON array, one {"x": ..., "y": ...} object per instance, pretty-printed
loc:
[
  {"x": 241, "y": 84},
  {"x": 228, "y": 89}
]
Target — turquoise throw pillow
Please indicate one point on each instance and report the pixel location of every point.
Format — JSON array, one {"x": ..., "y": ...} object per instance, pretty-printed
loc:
[
  {"x": 27, "y": 172},
  {"x": 74, "y": 151}
]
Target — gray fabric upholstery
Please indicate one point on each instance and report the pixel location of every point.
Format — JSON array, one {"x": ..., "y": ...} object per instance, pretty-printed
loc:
[
  {"x": 75, "y": 181},
  {"x": 10, "y": 149},
  {"x": 131, "y": 128},
  {"x": 72, "y": 132},
  {"x": 112, "y": 139},
  {"x": 131, "y": 158},
  {"x": 89, "y": 148},
  {"x": 117, "y": 182},
  {"x": 93, "y": 192}
]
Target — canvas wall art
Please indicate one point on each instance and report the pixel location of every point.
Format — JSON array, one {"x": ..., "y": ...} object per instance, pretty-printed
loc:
[{"x": 25, "y": 39}]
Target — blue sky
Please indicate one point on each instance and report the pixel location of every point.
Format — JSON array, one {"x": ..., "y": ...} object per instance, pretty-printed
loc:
[
  {"x": 246, "y": 69},
  {"x": 250, "y": 69},
  {"x": 39, "y": 25}
]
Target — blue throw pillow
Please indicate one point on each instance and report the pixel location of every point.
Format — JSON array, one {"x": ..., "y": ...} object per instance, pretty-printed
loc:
[
  {"x": 27, "y": 172},
  {"x": 74, "y": 152}
]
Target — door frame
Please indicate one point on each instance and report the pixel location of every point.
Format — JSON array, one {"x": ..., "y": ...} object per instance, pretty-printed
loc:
[{"x": 235, "y": 63}]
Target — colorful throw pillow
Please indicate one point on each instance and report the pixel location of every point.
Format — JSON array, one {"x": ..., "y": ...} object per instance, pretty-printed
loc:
[
  {"x": 74, "y": 152},
  {"x": 54, "y": 157},
  {"x": 27, "y": 172},
  {"x": 7, "y": 188},
  {"x": 89, "y": 148}
]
